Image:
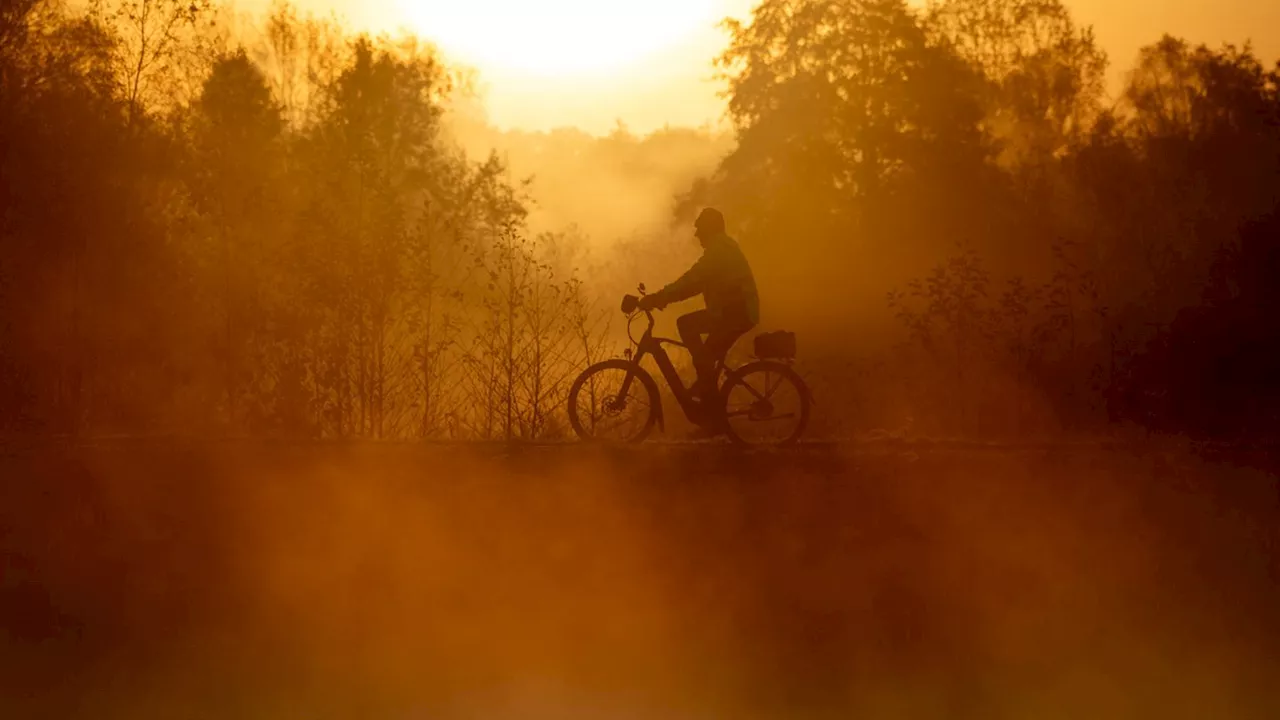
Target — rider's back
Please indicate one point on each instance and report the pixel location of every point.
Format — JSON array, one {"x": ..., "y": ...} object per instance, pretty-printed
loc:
[{"x": 729, "y": 287}]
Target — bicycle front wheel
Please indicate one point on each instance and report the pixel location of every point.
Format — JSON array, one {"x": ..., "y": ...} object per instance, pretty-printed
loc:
[
  {"x": 614, "y": 401},
  {"x": 765, "y": 403}
]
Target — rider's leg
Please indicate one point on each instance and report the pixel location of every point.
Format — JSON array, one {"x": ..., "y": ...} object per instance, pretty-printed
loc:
[
  {"x": 691, "y": 328},
  {"x": 719, "y": 341}
]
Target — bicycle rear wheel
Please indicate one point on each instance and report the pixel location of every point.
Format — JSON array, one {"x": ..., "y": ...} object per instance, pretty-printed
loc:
[
  {"x": 765, "y": 403},
  {"x": 614, "y": 401}
]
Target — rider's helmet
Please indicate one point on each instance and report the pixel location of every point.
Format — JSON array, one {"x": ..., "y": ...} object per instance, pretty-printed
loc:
[{"x": 709, "y": 224}]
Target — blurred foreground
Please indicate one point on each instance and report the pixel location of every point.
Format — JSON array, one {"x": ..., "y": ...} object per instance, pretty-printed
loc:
[{"x": 681, "y": 582}]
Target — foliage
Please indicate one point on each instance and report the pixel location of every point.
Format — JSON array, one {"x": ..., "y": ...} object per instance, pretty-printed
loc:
[
  {"x": 1092, "y": 241},
  {"x": 293, "y": 248},
  {"x": 281, "y": 233}
]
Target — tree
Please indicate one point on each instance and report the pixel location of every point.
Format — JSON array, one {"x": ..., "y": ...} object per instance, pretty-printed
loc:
[
  {"x": 68, "y": 201},
  {"x": 373, "y": 151},
  {"x": 1201, "y": 126},
  {"x": 1047, "y": 76},
  {"x": 154, "y": 40},
  {"x": 845, "y": 112},
  {"x": 237, "y": 127}
]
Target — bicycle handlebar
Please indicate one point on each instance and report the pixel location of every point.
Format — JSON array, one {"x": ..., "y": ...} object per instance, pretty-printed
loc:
[
  {"x": 631, "y": 308},
  {"x": 631, "y": 316}
]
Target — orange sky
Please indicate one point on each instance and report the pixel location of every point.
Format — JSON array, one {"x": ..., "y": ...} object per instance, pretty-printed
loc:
[{"x": 670, "y": 79}]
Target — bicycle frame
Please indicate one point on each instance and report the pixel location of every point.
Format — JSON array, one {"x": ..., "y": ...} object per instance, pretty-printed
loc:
[
  {"x": 715, "y": 418},
  {"x": 651, "y": 345}
]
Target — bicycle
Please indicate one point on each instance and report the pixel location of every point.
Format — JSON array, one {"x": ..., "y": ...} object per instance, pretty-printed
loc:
[{"x": 611, "y": 403}]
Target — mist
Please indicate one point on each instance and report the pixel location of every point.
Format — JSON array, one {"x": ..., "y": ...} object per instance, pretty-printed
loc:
[
  {"x": 609, "y": 188},
  {"x": 431, "y": 582}
]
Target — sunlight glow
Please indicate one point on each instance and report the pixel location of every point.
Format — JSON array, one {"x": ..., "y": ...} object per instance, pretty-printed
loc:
[{"x": 557, "y": 38}]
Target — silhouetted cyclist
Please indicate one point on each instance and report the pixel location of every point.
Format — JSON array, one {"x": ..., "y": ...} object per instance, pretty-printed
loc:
[{"x": 723, "y": 278}]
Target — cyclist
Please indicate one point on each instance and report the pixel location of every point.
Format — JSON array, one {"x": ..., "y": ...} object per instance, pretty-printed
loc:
[{"x": 723, "y": 278}]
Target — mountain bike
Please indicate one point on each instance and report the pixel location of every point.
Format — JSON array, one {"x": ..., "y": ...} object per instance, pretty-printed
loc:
[{"x": 764, "y": 402}]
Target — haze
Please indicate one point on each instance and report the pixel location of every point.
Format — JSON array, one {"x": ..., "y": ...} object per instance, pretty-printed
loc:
[{"x": 590, "y": 64}]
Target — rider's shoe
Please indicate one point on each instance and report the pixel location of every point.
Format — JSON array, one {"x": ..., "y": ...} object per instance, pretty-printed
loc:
[{"x": 705, "y": 426}]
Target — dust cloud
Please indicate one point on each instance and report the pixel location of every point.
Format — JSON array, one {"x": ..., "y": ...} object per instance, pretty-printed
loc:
[{"x": 412, "y": 582}]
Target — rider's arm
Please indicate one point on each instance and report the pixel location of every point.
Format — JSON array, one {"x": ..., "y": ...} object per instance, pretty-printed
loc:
[{"x": 686, "y": 286}]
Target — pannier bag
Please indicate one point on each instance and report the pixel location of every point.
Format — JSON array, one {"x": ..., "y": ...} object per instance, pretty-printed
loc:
[{"x": 779, "y": 345}]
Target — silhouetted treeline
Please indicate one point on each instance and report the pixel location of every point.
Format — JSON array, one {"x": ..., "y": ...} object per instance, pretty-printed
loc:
[
  {"x": 1094, "y": 259},
  {"x": 204, "y": 236},
  {"x": 274, "y": 232}
]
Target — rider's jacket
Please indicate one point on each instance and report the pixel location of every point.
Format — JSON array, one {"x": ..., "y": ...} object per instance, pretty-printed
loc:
[{"x": 723, "y": 277}]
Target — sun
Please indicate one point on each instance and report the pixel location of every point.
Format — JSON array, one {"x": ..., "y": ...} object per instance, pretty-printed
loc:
[{"x": 557, "y": 38}]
